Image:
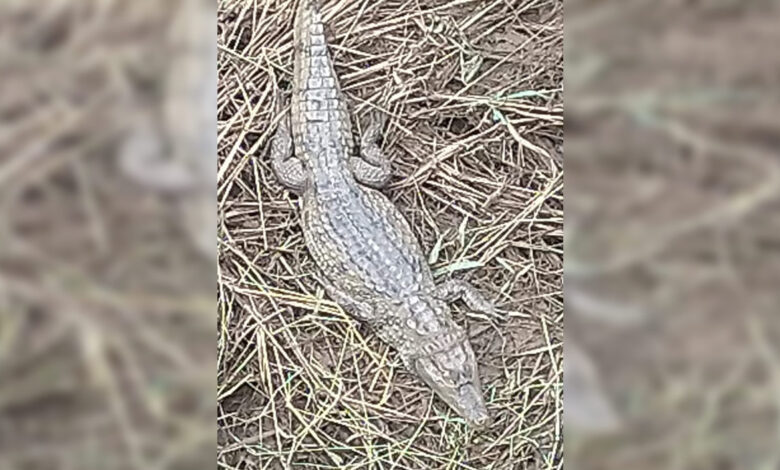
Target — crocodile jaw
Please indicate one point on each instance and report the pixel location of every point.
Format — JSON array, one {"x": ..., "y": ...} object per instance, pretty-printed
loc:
[
  {"x": 452, "y": 374},
  {"x": 471, "y": 406}
]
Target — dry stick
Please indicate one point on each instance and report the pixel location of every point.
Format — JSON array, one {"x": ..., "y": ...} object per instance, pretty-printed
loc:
[
  {"x": 266, "y": 374},
  {"x": 355, "y": 20},
  {"x": 88, "y": 198},
  {"x": 466, "y": 24},
  {"x": 260, "y": 206}
]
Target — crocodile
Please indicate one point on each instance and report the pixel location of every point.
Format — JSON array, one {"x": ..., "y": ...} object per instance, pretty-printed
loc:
[{"x": 368, "y": 259}]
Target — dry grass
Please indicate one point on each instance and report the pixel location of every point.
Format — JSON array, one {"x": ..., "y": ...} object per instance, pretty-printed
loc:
[{"x": 473, "y": 90}]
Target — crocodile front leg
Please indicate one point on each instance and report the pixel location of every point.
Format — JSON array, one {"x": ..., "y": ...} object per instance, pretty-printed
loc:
[
  {"x": 289, "y": 169},
  {"x": 454, "y": 289},
  {"x": 372, "y": 168}
]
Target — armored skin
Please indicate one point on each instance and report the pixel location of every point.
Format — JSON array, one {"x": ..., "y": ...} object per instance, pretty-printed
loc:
[{"x": 369, "y": 260}]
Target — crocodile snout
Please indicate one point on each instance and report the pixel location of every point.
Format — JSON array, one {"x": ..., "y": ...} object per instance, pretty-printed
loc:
[{"x": 473, "y": 407}]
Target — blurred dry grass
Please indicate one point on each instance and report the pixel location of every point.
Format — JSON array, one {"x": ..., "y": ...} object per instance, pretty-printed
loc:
[
  {"x": 672, "y": 222},
  {"x": 106, "y": 309},
  {"x": 474, "y": 95}
]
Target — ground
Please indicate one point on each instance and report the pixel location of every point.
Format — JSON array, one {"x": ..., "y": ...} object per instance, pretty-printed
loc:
[{"x": 474, "y": 95}]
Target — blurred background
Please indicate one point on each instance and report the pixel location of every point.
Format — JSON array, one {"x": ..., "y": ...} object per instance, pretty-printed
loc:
[
  {"x": 672, "y": 126},
  {"x": 107, "y": 234}
]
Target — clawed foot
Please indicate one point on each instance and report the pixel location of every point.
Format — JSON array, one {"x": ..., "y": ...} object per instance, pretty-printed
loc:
[
  {"x": 454, "y": 289},
  {"x": 372, "y": 168},
  {"x": 289, "y": 170}
]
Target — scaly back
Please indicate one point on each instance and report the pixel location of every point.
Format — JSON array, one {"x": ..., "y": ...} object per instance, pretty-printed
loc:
[{"x": 320, "y": 119}]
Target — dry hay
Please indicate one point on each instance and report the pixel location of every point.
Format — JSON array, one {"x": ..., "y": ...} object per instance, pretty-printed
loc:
[{"x": 474, "y": 94}]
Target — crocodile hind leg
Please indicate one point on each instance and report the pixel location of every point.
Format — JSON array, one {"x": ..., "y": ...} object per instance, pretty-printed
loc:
[
  {"x": 454, "y": 289},
  {"x": 372, "y": 168},
  {"x": 289, "y": 169}
]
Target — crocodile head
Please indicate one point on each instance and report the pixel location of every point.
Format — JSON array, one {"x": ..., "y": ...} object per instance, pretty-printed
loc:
[{"x": 452, "y": 374}]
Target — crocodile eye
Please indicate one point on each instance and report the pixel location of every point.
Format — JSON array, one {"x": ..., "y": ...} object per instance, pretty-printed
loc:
[
  {"x": 454, "y": 378},
  {"x": 448, "y": 380},
  {"x": 446, "y": 377}
]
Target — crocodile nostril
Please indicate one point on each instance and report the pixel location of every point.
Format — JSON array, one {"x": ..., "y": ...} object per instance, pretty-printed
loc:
[{"x": 481, "y": 421}]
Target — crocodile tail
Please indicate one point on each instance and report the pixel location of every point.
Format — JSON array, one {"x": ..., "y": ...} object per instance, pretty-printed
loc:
[
  {"x": 317, "y": 104},
  {"x": 309, "y": 30},
  {"x": 313, "y": 62},
  {"x": 306, "y": 10}
]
